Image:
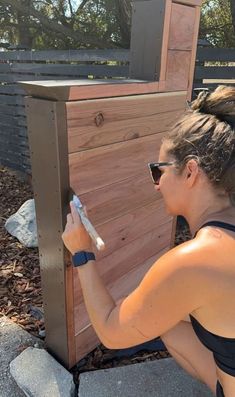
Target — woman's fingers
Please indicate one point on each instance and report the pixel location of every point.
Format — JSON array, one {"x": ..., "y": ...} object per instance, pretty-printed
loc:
[{"x": 69, "y": 219}]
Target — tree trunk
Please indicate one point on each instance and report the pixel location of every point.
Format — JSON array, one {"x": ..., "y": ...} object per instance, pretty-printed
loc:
[{"x": 25, "y": 38}]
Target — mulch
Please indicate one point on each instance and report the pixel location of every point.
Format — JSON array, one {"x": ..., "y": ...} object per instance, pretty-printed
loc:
[{"x": 20, "y": 281}]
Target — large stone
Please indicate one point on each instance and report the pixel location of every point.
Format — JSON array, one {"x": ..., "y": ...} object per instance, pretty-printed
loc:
[
  {"x": 160, "y": 378},
  {"x": 38, "y": 374},
  {"x": 22, "y": 224},
  {"x": 13, "y": 339}
]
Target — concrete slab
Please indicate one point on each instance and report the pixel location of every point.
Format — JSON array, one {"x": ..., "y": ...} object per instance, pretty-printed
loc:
[
  {"x": 38, "y": 374},
  {"x": 13, "y": 340},
  {"x": 160, "y": 378}
]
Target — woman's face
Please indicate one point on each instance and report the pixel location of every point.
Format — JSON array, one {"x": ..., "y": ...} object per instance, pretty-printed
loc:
[{"x": 171, "y": 185}]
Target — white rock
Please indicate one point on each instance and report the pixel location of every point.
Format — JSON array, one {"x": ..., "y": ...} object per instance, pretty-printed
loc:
[
  {"x": 38, "y": 374},
  {"x": 22, "y": 224}
]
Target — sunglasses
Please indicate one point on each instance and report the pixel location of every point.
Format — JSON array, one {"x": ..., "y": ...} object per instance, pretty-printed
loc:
[{"x": 155, "y": 171}]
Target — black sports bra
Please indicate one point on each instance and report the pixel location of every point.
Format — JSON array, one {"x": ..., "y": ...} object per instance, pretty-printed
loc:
[{"x": 223, "y": 348}]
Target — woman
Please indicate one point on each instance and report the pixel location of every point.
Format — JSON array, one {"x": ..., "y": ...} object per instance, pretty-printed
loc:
[{"x": 188, "y": 295}]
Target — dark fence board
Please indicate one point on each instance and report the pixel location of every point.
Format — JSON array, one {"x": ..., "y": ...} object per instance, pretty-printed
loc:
[
  {"x": 71, "y": 70},
  {"x": 67, "y": 55},
  {"x": 215, "y": 72},
  {"x": 11, "y": 89},
  {"x": 5, "y": 68},
  {"x": 216, "y": 54},
  {"x": 11, "y": 100}
]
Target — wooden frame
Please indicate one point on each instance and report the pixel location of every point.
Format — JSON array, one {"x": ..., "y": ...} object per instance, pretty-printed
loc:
[{"x": 69, "y": 149}]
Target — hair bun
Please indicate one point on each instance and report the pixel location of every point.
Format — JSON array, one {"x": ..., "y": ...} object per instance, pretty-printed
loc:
[{"x": 219, "y": 103}]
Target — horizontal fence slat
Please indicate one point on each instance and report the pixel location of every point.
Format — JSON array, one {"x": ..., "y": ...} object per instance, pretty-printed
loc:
[
  {"x": 121, "y": 55},
  {"x": 216, "y": 54},
  {"x": 11, "y": 89},
  {"x": 215, "y": 72},
  {"x": 17, "y": 166},
  {"x": 5, "y": 68},
  {"x": 71, "y": 70},
  {"x": 12, "y": 110},
  {"x": 11, "y": 100},
  {"x": 11, "y": 128}
]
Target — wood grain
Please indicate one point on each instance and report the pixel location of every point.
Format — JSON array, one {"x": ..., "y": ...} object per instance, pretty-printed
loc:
[
  {"x": 93, "y": 169},
  {"x": 182, "y": 30},
  {"x": 83, "y": 113},
  {"x": 131, "y": 255},
  {"x": 119, "y": 289},
  {"x": 111, "y": 201},
  {"x": 92, "y": 136},
  {"x": 165, "y": 41},
  {"x": 178, "y": 68}
]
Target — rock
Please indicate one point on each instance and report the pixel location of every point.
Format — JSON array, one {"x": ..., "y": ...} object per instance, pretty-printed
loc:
[
  {"x": 38, "y": 374},
  {"x": 22, "y": 224},
  {"x": 13, "y": 340}
]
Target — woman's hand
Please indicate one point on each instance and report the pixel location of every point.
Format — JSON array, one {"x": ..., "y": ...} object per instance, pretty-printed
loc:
[{"x": 75, "y": 236}]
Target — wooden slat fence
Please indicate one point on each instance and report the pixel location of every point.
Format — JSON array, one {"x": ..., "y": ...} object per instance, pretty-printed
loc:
[
  {"x": 44, "y": 65},
  {"x": 213, "y": 66}
]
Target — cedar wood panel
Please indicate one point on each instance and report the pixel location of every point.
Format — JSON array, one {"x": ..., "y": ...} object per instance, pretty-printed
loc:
[{"x": 110, "y": 142}]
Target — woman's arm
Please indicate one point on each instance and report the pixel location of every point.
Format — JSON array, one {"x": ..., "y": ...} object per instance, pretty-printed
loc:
[{"x": 172, "y": 288}]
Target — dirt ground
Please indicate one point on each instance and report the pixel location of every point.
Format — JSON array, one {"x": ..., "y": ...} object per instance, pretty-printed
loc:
[{"x": 20, "y": 282}]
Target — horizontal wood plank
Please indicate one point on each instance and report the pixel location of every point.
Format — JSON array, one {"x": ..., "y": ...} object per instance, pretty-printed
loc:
[
  {"x": 11, "y": 89},
  {"x": 215, "y": 72},
  {"x": 107, "y": 165},
  {"x": 90, "y": 136},
  {"x": 127, "y": 257},
  {"x": 90, "y": 122},
  {"x": 11, "y": 100},
  {"x": 71, "y": 70},
  {"x": 12, "y": 110},
  {"x": 119, "y": 289},
  {"x": 131, "y": 224},
  {"x": 215, "y": 54},
  {"x": 119, "y": 198},
  {"x": 67, "y": 55},
  {"x": 72, "y": 90}
]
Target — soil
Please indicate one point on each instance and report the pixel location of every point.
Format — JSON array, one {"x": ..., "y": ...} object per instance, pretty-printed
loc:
[{"x": 20, "y": 282}]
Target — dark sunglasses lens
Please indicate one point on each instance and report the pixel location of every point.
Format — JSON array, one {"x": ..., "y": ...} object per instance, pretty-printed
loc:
[{"x": 156, "y": 174}]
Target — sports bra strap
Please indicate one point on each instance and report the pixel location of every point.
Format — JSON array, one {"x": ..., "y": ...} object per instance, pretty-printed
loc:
[{"x": 224, "y": 225}]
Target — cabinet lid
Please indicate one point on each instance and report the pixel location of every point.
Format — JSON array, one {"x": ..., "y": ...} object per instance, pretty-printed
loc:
[{"x": 72, "y": 90}]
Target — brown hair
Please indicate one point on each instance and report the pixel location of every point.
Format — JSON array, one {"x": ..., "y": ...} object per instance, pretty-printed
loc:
[{"x": 206, "y": 132}]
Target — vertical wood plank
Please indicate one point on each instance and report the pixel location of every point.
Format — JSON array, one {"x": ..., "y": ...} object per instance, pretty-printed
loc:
[
  {"x": 50, "y": 178},
  {"x": 194, "y": 52},
  {"x": 146, "y": 39}
]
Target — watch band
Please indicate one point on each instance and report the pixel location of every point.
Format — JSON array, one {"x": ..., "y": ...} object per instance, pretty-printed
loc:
[{"x": 82, "y": 257}]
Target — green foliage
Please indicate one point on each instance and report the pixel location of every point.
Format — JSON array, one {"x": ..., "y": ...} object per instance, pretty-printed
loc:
[
  {"x": 73, "y": 24},
  {"x": 217, "y": 24},
  {"x": 65, "y": 24}
]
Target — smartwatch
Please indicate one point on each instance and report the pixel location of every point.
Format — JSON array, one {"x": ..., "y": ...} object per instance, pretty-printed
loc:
[{"x": 82, "y": 257}]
